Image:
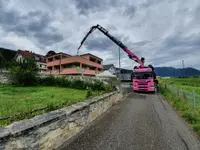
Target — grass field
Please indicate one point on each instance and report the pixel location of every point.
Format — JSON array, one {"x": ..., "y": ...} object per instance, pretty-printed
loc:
[
  {"x": 191, "y": 115},
  {"x": 23, "y": 99},
  {"x": 188, "y": 84}
]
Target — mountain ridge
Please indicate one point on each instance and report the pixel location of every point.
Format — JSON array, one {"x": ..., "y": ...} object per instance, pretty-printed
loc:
[{"x": 176, "y": 72}]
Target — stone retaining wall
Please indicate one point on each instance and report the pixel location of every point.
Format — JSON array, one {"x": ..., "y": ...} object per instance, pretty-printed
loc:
[
  {"x": 4, "y": 77},
  {"x": 51, "y": 130}
]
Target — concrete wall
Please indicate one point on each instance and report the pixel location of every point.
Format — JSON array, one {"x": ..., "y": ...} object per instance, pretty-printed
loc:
[
  {"x": 4, "y": 76},
  {"x": 42, "y": 67},
  {"x": 51, "y": 130}
]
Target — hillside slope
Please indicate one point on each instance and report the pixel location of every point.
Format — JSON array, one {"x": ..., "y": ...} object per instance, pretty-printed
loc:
[{"x": 176, "y": 72}]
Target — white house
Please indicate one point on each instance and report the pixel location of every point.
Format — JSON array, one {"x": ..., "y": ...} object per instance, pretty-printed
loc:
[
  {"x": 40, "y": 60},
  {"x": 111, "y": 68}
]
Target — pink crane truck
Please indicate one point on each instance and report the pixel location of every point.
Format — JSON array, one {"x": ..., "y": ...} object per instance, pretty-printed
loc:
[{"x": 143, "y": 78}]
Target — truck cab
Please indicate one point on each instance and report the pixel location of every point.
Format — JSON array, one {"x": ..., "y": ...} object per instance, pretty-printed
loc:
[{"x": 143, "y": 80}]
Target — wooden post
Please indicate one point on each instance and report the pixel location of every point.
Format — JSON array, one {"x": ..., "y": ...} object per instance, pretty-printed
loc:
[
  {"x": 178, "y": 92},
  {"x": 184, "y": 96}
]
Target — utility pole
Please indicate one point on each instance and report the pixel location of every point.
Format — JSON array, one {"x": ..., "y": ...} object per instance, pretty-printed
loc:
[
  {"x": 183, "y": 68},
  {"x": 119, "y": 70}
]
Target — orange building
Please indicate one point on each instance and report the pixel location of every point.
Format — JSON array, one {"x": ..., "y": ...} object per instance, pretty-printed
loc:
[{"x": 64, "y": 64}]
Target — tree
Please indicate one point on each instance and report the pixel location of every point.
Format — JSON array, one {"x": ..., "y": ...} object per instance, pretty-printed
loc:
[
  {"x": 50, "y": 53},
  {"x": 3, "y": 64},
  {"x": 23, "y": 73}
]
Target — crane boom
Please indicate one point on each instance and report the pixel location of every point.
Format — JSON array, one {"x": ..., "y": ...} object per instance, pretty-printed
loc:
[{"x": 131, "y": 55}]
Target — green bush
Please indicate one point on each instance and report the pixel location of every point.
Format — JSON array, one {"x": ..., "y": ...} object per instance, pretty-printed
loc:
[
  {"x": 196, "y": 127},
  {"x": 191, "y": 116},
  {"x": 89, "y": 94},
  {"x": 23, "y": 73},
  {"x": 63, "y": 82},
  {"x": 48, "y": 81},
  {"x": 181, "y": 105},
  {"x": 95, "y": 84},
  {"x": 51, "y": 107},
  {"x": 78, "y": 84}
]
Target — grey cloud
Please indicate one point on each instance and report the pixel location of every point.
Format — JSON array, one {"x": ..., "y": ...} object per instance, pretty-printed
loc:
[
  {"x": 145, "y": 27},
  {"x": 100, "y": 43},
  {"x": 141, "y": 43},
  {"x": 177, "y": 47},
  {"x": 48, "y": 38},
  {"x": 182, "y": 44},
  {"x": 8, "y": 18},
  {"x": 149, "y": 3},
  {"x": 196, "y": 14},
  {"x": 130, "y": 11},
  {"x": 34, "y": 23},
  {"x": 40, "y": 24},
  {"x": 27, "y": 25},
  {"x": 86, "y": 6}
]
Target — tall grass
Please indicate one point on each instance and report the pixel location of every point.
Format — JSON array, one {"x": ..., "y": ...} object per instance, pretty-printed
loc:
[
  {"x": 191, "y": 115},
  {"x": 189, "y": 84}
]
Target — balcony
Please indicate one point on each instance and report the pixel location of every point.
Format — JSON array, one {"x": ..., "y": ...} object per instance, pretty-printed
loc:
[
  {"x": 53, "y": 72},
  {"x": 81, "y": 60},
  {"x": 73, "y": 71},
  {"x": 53, "y": 63}
]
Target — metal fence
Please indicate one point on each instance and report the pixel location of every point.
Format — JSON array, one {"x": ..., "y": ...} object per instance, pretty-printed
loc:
[{"x": 191, "y": 97}]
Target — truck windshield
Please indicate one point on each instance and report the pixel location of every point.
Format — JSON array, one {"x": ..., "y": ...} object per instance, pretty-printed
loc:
[{"x": 142, "y": 75}]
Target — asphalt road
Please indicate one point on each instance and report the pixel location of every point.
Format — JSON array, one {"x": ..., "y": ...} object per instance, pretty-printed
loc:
[{"x": 141, "y": 122}]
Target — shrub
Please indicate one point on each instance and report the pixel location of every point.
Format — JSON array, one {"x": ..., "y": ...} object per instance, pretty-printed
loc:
[
  {"x": 196, "y": 127},
  {"x": 191, "y": 116},
  {"x": 89, "y": 94},
  {"x": 48, "y": 81},
  {"x": 78, "y": 84},
  {"x": 63, "y": 82},
  {"x": 96, "y": 85},
  {"x": 51, "y": 107},
  {"x": 23, "y": 73}
]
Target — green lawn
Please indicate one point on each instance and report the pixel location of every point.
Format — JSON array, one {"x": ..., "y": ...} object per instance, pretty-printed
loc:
[{"x": 15, "y": 99}]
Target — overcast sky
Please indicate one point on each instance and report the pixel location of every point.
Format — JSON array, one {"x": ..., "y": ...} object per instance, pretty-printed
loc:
[{"x": 163, "y": 31}]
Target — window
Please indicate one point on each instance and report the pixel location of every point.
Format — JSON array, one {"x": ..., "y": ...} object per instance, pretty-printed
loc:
[
  {"x": 92, "y": 59},
  {"x": 40, "y": 65},
  {"x": 142, "y": 75}
]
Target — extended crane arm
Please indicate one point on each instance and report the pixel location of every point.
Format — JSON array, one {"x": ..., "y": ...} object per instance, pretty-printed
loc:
[{"x": 116, "y": 41}]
